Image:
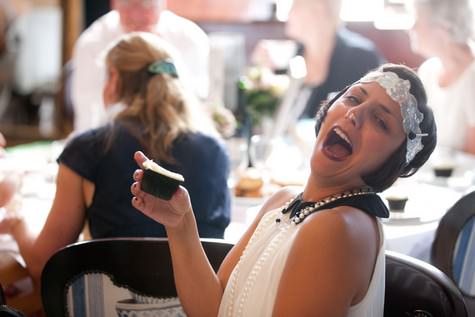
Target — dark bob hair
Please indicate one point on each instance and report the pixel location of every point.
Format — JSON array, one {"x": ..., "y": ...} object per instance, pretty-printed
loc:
[{"x": 395, "y": 166}]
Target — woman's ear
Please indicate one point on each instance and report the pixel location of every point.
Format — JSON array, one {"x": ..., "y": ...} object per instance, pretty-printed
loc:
[{"x": 109, "y": 93}]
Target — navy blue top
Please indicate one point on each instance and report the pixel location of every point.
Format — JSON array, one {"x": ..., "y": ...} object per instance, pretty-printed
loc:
[
  {"x": 201, "y": 159},
  {"x": 353, "y": 56}
]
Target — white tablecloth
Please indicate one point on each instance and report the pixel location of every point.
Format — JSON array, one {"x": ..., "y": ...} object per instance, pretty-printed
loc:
[
  {"x": 429, "y": 197},
  {"x": 35, "y": 165},
  {"x": 410, "y": 233}
]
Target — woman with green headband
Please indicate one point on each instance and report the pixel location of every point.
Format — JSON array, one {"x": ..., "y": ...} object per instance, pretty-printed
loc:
[
  {"x": 316, "y": 251},
  {"x": 151, "y": 113}
]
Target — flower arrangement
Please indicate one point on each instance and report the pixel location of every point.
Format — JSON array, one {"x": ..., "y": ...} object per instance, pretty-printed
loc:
[{"x": 262, "y": 91}]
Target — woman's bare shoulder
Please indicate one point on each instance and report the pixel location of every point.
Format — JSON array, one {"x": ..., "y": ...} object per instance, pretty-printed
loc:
[
  {"x": 280, "y": 197},
  {"x": 327, "y": 255},
  {"x": 342, "y": 222}
]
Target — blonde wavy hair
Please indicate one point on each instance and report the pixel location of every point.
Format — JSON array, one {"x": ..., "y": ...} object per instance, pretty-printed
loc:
[{"x": 158, "y": 110}]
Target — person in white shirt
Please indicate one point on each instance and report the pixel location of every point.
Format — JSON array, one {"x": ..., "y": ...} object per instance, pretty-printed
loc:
[
  {"x": 443, "y": 32},
  {"x": 190, "y": 42}
]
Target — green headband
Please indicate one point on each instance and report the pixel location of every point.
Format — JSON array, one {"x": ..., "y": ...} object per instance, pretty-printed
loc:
[{"x": 165, "y": 66}]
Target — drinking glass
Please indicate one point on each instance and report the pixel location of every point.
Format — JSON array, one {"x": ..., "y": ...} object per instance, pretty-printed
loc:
[
  {"x": 238, "y": 156},
  {"x": 259, "y": 151}
]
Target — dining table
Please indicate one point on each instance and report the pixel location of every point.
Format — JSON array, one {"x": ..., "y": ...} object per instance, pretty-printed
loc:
[
  {"x": 35, "y": 168},
  {"x": 409, "y": 232}
]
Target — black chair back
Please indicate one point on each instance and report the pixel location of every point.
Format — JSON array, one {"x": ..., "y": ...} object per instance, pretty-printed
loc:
[
  {"x": 417, "y": 289},
  {"x": 142, "y": 265},
  {"x": 453, "y": 250}
]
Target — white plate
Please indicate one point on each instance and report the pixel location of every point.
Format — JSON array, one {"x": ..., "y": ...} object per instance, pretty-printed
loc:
[
  {"x": 248, "y": 201},
  {"x": 404, "y": 219}
]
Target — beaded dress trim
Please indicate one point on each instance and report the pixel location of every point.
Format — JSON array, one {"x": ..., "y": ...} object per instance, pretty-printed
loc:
[{"x": 236, "y": 307}]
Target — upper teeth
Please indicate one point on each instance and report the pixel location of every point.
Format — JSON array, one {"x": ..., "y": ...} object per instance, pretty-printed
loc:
[{"x": 342, "y": 135}]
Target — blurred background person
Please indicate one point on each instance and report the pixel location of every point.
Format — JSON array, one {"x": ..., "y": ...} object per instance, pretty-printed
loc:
[
  {"x": 127, "y": 16},
  {"x": 443, "y": 33},
  {"x": 155, "y": 115},
  {"x": 334, "y": 56}
]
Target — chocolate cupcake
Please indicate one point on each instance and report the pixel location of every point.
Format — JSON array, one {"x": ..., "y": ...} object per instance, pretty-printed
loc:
[
  {"x": 396, "y": 203},
  {"x": 159, "y": 181},
  {"x": 443, "y": 170}
]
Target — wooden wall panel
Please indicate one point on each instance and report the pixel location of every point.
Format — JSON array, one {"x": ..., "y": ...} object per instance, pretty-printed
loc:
[{"x": 72, "y": 25}]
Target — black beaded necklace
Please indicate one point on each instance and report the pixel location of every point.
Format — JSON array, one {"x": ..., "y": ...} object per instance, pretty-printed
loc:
[{"x": 300, "y": 209}]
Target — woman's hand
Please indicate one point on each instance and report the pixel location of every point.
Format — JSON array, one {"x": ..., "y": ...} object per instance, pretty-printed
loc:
[
  {"x": 171, "y": 212},
  {"x": 9, "y": 185},
  {"x": 8, "y": 222}
]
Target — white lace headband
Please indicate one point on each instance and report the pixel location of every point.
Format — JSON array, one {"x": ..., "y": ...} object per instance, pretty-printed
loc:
[{"x": 399, "y": 90}]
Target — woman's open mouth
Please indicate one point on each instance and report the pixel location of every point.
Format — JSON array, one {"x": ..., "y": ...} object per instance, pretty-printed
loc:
[{"x": 337, "y": 145}]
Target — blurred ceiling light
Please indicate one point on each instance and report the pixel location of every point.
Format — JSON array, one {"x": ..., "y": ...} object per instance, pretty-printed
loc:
[
  {"x": 386, "y": 14},
  {"x": 362, "y": 10},
  {"x": 297, "y": 67},
  {"x": 283, "y": 8}
]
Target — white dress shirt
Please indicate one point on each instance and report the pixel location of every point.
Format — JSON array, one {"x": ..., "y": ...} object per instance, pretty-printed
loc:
[{"x": 190, "y": 42}]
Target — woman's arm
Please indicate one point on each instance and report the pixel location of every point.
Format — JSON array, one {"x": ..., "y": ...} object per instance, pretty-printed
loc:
[
  {"x": 197, "y": 284},
  {"x": 9, "y": 185},
  {"x": 63, "y": 225}
]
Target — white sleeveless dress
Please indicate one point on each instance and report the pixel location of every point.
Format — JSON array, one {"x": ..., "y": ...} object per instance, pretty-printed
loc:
[{"x": 252, "y": 286}]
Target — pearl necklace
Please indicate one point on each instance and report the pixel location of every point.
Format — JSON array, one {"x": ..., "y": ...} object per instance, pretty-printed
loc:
[{"x": 304, "y": 209}]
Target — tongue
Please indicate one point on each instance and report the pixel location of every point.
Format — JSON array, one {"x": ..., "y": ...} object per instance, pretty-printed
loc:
[{"x": 337, "y": 151}]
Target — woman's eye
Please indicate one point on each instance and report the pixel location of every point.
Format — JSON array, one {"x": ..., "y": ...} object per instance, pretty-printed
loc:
[
  {"x": 382, "y": 124},
  {"x": 354, "y": 100}
]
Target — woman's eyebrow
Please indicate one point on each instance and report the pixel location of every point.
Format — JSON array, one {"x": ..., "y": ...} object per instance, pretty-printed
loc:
[
  {"x": 363, "y": 91},
  {"x": 386, "y": 109}
]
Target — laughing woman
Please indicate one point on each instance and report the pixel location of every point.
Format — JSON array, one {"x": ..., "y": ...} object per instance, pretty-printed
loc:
[{"x": 319, "y": 252}]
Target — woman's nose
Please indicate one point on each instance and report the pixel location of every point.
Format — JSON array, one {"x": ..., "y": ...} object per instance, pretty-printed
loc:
[{"x": 354, "y": 116}]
